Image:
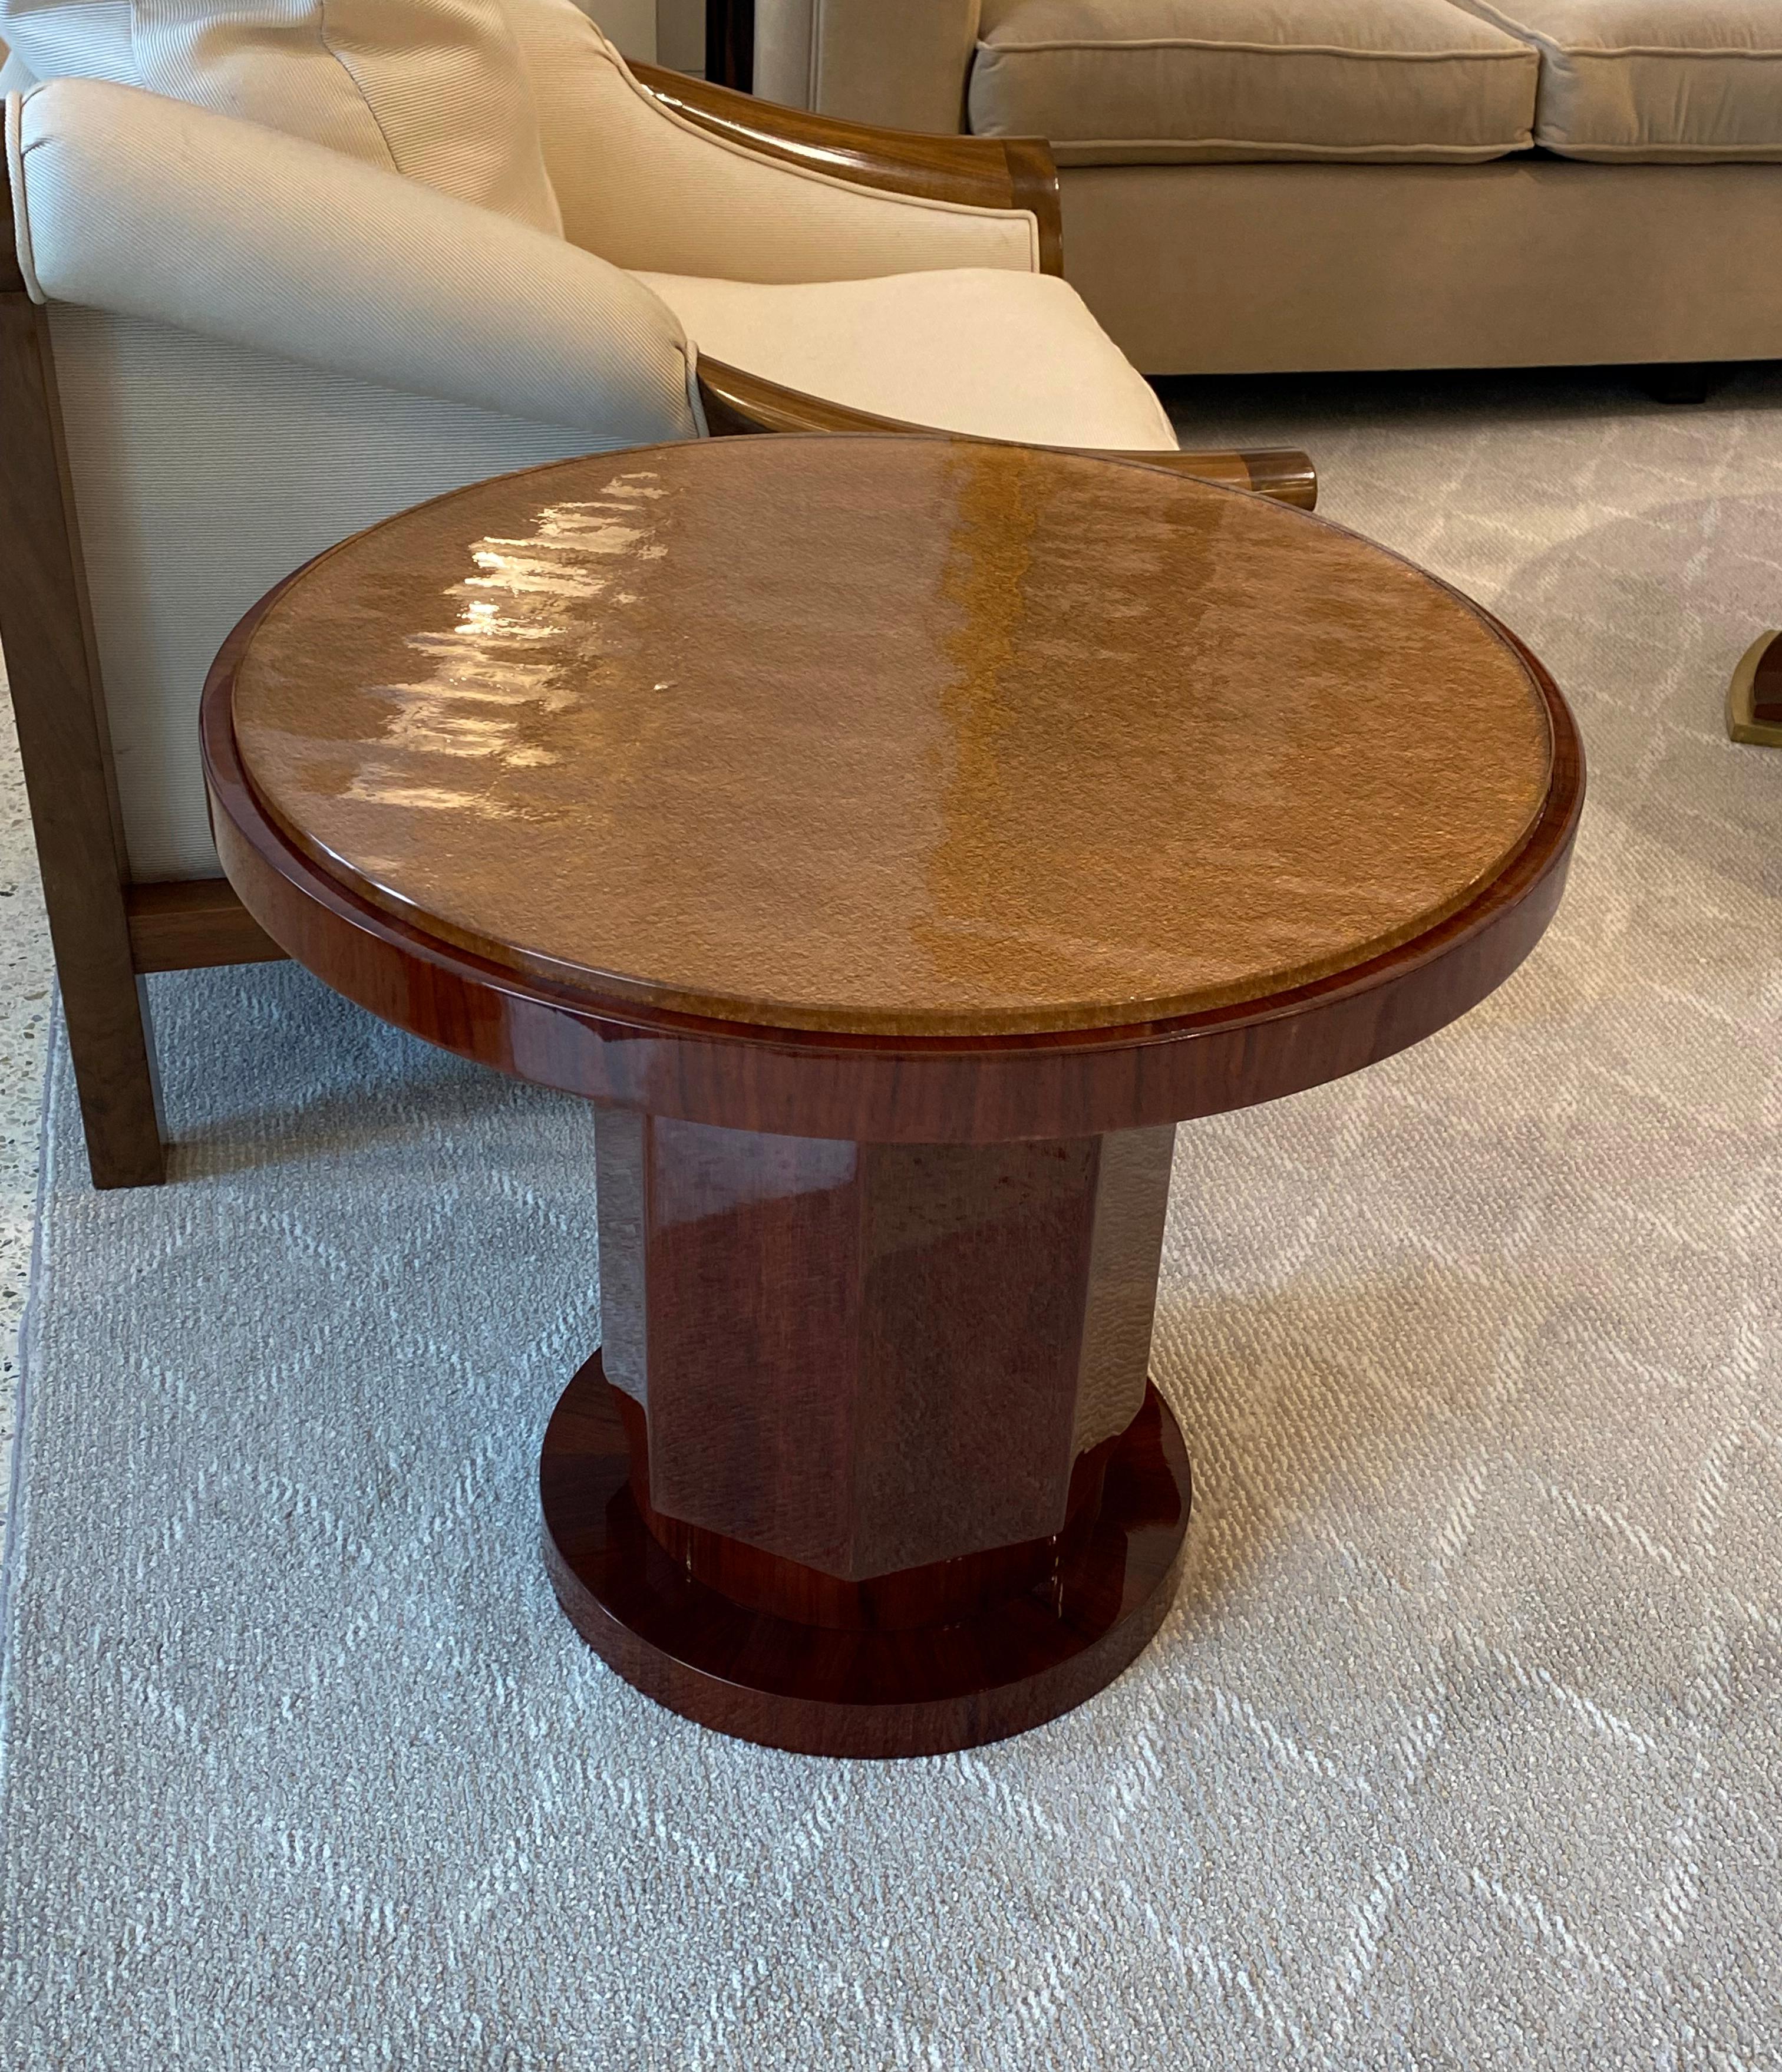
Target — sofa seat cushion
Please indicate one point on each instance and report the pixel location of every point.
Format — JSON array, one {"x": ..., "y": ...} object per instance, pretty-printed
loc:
[
  {"x": 1679, "y": 81},
  {"x": 1126, "y": 82},
  {"x": 1007, "y": 356}
]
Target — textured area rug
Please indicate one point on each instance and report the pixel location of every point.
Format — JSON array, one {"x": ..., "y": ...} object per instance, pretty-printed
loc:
[{"x": 1463, "y": 1746}]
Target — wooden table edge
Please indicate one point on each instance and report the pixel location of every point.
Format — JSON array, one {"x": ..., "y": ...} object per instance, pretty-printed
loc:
[{"x": 891, "y": 1087}]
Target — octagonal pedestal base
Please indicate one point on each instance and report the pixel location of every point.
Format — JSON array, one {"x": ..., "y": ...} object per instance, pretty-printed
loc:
[{"x": 865, "y": 1676}]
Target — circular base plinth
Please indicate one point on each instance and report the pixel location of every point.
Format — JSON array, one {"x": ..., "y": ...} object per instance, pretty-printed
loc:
[{"x": 824, "y": 1690}]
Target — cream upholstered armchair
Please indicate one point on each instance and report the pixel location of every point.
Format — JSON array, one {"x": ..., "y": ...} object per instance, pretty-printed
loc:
[{"x": 275, "y": 276}]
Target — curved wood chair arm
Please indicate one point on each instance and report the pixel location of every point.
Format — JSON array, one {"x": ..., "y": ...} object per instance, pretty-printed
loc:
[
  {"x": 737, "y": 402},
  {"x": 1282, "y": 473},
  {"x": 981, "y": 172}
]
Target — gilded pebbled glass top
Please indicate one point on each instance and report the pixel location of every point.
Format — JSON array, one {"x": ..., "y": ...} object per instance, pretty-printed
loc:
[{"x": 892, "y": 735}]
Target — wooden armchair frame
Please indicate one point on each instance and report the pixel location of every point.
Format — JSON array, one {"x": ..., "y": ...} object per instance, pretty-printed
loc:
[{"x": 109, "y": 933}]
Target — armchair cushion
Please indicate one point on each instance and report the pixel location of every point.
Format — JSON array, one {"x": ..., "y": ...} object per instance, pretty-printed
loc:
[
  {"x": 433, "y": 89},
  {"x": 1006, "y": 356},
  {"x": 1677, "y": 80},
  {"x": 1145, "y": 82}
]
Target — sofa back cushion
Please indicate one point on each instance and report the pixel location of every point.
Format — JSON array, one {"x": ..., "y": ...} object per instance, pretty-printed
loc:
[
  {"x": 433, "y": 88},
  {"x": 1116, "y": 82},
  {"x": 1676, "y": 81}
]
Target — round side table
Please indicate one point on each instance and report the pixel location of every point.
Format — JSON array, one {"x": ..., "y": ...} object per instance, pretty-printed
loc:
[{"x": 896, "y": 839}]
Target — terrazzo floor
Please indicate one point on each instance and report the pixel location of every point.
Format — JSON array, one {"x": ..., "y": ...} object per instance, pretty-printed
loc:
[{"x": 25, "y": 978}]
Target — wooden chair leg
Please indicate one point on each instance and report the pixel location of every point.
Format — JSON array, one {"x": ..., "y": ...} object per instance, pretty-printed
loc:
[
  {"x": 64, "y": 742},
  {"x": 112, "y": 1047}
]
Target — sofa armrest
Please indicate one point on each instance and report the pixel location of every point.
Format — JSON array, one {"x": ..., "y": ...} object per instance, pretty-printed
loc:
[
  {"x": 899, "y": 64},
  {"x": 1014, "y": 173},
  {"x": 737, "y": 402}
]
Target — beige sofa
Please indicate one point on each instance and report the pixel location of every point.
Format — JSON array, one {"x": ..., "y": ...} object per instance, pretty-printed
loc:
[{"x": 1257, "y": 185}]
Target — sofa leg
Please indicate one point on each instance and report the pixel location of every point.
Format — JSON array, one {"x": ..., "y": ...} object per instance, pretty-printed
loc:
[{"x": 1679, "y": 381}]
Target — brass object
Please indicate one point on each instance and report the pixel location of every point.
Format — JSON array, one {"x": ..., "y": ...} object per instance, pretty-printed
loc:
[{"x": 1743, "y": 723}]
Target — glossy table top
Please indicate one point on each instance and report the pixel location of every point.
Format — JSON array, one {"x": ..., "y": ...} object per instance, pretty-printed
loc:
[{"x": 894, "y": 736}]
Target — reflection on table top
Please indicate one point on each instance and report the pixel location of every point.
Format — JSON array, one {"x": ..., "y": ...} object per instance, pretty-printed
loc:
[{"x": 892, "y": 735}]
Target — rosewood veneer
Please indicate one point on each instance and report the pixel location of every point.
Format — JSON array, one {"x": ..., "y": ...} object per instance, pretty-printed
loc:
[{"x": 897, "y": 838}]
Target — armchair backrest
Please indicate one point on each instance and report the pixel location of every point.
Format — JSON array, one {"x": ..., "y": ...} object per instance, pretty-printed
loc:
[
  {"x": 644, "y": 187},
  {"x": 433, "y": 89}
]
